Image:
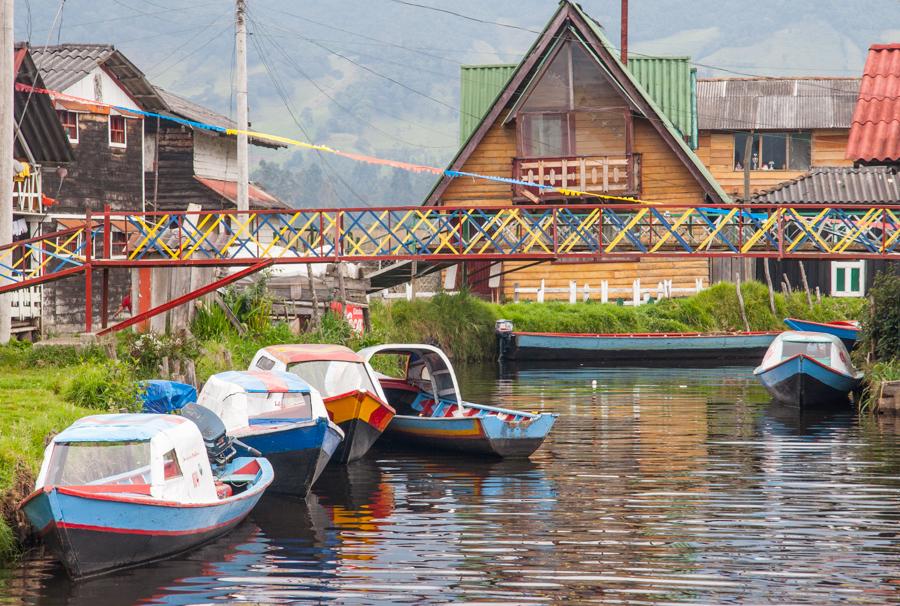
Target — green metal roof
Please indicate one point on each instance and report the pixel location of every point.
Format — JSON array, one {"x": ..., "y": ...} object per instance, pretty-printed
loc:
[
  {"x": 478, "y": 87},
  {"x": 668, "y": 80}
]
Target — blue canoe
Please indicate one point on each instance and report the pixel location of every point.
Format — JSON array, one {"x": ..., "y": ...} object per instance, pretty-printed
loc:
[
  {"x": 845, "y": 330},
  {"x": 808, "y": 369},
  {"x": 116, "y": 491},
  {"x": 432, "y": 415},
  {"x": 644, "y": 348},
  {"x": 282, "y": 417}
]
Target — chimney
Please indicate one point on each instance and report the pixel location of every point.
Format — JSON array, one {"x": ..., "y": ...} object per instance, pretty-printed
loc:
[{"x": 624, "y": 44}]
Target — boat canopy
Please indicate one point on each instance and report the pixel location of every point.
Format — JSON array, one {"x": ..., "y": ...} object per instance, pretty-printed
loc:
[
  {"x": 427, "y": 367},
  {"x": 824, "y": 348},
  {"x": 332, "y": 370},
  {"x": 160, "y": 456},
  {"x": 240, "y": 395}
]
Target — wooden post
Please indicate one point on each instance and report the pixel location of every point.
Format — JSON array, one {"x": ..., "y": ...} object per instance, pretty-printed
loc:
[
  {"x": 7, "y": 121},
  {"x": 740, "y": 298},
  {"x": 414, "y": 269},
  {"x": 573, "y": 291},
  {"x": 587, "y": 293},
  {"x": 818, "y": 295},
  {"x": 805, "y": 285},
  {"x": 769, "y": 284},
  {"x": 787, "y": 283},
  {"x": 604, "y": 291},
  {"x": 312, "y": 293},
  {"x": 339, "y": 267},
  {"x": 540, "y": 293},
  {"x": 515, "y": 292},
  {"x": 636, "y": 292}
]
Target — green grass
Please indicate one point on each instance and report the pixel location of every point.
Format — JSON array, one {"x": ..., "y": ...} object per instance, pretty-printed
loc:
[{"x": 31, "y": 409}]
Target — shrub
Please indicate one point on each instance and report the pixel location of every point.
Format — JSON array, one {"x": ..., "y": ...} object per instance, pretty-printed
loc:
[
  {"x": 110, "y": 387},
  {"x": 881, "y": 328}
]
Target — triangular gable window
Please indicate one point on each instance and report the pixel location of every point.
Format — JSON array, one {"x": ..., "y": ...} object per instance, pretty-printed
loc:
[{"x": 571, "y": 108}]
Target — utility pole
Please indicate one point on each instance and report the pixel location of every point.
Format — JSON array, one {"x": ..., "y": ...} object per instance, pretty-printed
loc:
[
  {"x": 7, "y": 82},
  {"x": 624, "y": 42},
  {"x": 243, "y": 200}
]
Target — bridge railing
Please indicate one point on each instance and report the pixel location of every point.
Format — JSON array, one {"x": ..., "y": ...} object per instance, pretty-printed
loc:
[{"x": 456, "y": 233}]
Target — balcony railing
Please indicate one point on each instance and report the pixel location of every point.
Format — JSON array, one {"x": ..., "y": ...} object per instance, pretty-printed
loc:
[
  {"x": 27, "y": 193},
  {"x": 614, "y": 175}
]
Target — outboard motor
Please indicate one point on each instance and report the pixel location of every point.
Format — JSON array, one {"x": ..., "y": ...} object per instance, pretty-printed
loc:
[{"x": 219, "y": 446}]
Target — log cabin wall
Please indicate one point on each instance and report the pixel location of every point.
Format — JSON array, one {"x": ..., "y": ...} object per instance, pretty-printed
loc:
[
  {"x": 100, "y": 174},
  {"x": 716, "y": 151}
]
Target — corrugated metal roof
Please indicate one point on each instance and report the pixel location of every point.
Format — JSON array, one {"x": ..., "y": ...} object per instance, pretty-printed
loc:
[
  {"x": 775, "y": 103},
  {"x": 64, "y": 65},
  {"x": 838, "y": 185},
  {"x": 668, "y": 81},
  {"x": 875, "y": 132},
  {"x": 479, "y": 86},
  {"x": 41, "y": 129}
]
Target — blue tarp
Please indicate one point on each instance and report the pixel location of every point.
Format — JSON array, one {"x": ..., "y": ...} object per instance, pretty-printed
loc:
[{"x": 166, "y": 396}]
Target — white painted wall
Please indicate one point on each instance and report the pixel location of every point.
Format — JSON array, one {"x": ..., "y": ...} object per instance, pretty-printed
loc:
[
  {"x": 215, "y": 157},
  {"x": 100, "y": 87}
]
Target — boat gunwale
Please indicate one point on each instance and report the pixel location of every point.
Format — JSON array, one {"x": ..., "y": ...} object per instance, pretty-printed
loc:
[
  {"x": 356, "y": 392},
  {"x": 760, "y": 370},
  {"x": 647, "y": 335}
]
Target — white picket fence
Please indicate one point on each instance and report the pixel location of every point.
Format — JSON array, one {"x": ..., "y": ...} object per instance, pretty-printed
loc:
[
  {"x": 636, "y": 295},
  {"x": 26, "y": 303},
  {"x": 408, "y": 293}
]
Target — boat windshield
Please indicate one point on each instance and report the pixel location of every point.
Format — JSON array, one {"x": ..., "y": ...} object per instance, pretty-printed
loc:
[
  {"x": 259, "y": 404},
  {"x": 818, "y": 351},
  {"x": 80, "y": 463},
  {"x": 333, "y": 377}
]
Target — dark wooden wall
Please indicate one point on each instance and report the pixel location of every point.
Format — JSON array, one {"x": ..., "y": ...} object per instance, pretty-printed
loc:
[
  {"x": 63, "y": 302},
  {"x": 176, "y": 186},
  {"x": 100, "y": 174},
  {"x": 818, "y": 273}
]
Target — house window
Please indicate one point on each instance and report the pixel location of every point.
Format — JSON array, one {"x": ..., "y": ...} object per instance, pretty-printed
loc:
[
  {"x": 848, "y": 278},
  {"x": 171, "y": 468},
  {"x": 69, "y": 122},
  {"x": 545, "y": 135},
  {"x": 774, "y": 151},
  {"x": 117, "y": 137}
]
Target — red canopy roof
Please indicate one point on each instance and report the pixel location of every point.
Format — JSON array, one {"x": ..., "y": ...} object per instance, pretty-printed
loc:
[
  {"x": 290, "y": 354},
  {"x": 875, "y": 129},
  {"x": 228, "y": 189}
]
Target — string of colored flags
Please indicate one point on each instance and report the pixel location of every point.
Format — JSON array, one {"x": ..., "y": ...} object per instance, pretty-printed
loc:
[{"x": 408, "y": 166}]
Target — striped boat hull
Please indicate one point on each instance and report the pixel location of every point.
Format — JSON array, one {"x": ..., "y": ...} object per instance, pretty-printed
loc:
[{"x": 362, "y": 417}]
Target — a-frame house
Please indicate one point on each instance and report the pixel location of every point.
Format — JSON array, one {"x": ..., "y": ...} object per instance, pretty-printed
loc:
[{"x": 572, "y": 106}]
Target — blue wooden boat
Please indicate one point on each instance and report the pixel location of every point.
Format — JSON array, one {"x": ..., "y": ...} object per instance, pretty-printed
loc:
[
  {"x": 432, "y": 414},
  {"x": 718, "y": 349},
  {"x": 808, "y": 369},
  {"x": 115, "y": 491},
  {"x": 845, "y": 330},
  {"x": 282, "y": 417}
]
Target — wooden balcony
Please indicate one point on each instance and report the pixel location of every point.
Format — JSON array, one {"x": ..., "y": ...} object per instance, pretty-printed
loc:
[
  {"x": 613, "y": 175},
  {"x": 27, "y": 194}
]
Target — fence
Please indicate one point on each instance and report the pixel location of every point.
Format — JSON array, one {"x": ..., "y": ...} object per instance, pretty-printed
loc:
[{"x": 636, "y": 295}]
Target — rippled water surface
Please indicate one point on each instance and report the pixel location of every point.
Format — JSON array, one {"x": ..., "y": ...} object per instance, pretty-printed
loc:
[{"x": 657, "y": 486}]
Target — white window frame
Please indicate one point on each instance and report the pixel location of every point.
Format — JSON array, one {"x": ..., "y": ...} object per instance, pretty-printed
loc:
[
  {"x": 77, "y": 125},
  {"x": 109, "y": 131},
  {"x": 847, "y": 266}
]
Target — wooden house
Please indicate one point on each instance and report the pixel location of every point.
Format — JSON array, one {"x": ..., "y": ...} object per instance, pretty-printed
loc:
[
  {"x": 127, "y": 161},
  {"x": 571, "y": 100},
  {"x": 796, "y": 124}
]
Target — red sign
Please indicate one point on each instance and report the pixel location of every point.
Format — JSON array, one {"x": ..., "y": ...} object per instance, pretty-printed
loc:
[{"x": 353, "y": 314}]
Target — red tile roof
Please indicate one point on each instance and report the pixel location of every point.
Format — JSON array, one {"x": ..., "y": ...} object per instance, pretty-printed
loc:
[
  {"x": 875, "y": 129},
  {"x": 259, "y": 199}
]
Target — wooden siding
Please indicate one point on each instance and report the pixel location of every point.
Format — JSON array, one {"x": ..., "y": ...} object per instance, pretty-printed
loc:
[
  {"x": 716, "y": 151},
  {"x": 493, "y": 156},
  {"x": 618, "y": 274},
  {"x": 215, "y": 157},
  {"x": 63, "y": 300},
  {"x": 664, "y": 177},
  {"x": 177, "y": 186},
  {"x": 100, "y": 174}
]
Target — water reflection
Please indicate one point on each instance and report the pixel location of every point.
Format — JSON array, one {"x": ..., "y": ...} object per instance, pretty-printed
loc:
[{"x": 656, "y": 485}]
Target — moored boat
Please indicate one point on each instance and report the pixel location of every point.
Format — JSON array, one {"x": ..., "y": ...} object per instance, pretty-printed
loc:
[
  {"x": 845, "y": 330},
  {"x": 347, "y": 384},
  {"x": 282, "y": 417},
  {"x": 432, "y": 413},
  {"x": 115, "y": 491},
  {"x": 715, "y": 349},
  {"x": 808, "y": 369}
]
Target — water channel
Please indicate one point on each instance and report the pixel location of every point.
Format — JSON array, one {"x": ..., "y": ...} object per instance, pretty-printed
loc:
[{"x": 656, "y": 486}]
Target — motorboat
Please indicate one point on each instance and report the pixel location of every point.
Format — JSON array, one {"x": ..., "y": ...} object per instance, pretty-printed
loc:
[
  {"x": 282, "y": 417},
  {"x": 432, "y": 413},
  {"x": 808, "y": 369},
  {"x": 119, "y": 490},
  {"x": 347, "y": 385},
  {"x": 845, "y": 330}
]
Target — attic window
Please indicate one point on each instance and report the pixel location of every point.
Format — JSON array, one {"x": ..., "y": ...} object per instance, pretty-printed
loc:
[
  {"x": 69, "y": 122},
  {"x": 117, "y": 136}
]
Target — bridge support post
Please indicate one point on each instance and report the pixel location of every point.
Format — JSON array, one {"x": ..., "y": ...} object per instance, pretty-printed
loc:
[{"x": 88, "y": 277}]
